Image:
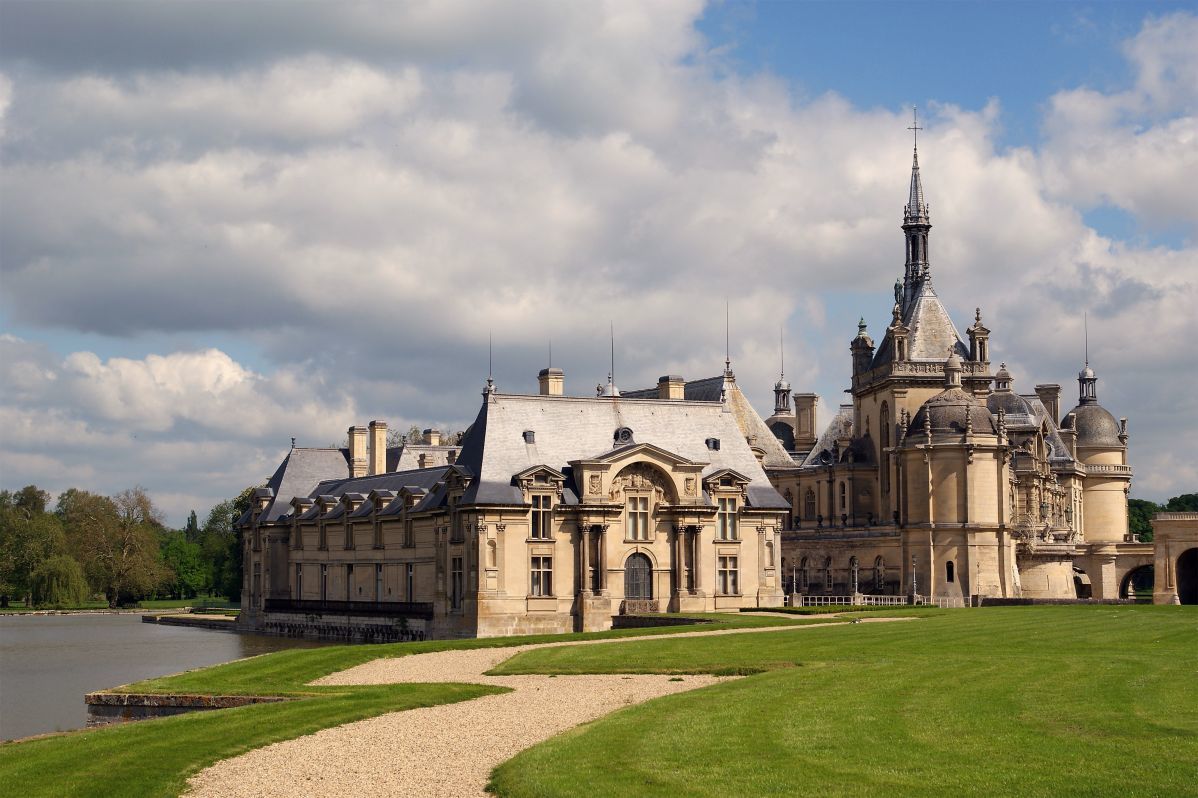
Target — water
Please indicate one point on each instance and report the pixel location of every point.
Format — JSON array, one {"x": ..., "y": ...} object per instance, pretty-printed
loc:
[{"x": 48, "y": 662}]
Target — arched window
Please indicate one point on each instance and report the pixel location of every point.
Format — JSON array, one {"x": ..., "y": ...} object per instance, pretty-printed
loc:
[
  {"x": 879, "y": 574},
  {"x": 949, "y": 571},
  {"x": 854, "y": 571},
  {"x": 804, "y": 575},
  {"x": 809, "y": 505},
  {"x": 828, "y": 575},
  {"x": 885, "y": 425},
  {"x": 843, "y": 493}
]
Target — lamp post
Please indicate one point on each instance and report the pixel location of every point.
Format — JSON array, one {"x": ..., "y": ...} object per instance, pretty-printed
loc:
[{"x": 914, "y": 586}]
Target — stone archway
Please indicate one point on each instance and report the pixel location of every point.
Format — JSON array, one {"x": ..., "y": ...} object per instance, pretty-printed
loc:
[
  {"x": 638, "y": 578},
  {"x": 1140, "y": 578},
  {"x": 1187, "y": 576}
]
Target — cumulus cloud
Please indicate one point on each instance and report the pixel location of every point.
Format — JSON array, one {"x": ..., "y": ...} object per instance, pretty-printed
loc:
[{"x": 363, "y": 195}]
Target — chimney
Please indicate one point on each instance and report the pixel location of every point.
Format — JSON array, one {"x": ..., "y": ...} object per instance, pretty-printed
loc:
[
  {"x": 422, "y": 460},
  {"x": 1050, "y": 395},
  {"x": 551, "y": 382},
  {"x": 805, "y": 435},
  {"x": 451, "y": 456},
  {"x": 431, "y": 437},
  {"x": 671, "y": 386},
  {"x": 378, "y": 448},
  {"x": 357, "y": 451}
]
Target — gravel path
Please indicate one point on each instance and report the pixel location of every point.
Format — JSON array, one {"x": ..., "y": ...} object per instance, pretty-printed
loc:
[{"x": 448, "y": 750}]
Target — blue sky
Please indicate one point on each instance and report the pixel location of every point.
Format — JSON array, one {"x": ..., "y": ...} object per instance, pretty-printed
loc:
[{"x": 282, "y": 219}]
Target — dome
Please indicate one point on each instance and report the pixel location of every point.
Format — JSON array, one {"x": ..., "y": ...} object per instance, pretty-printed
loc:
[
  {"x": 782, "y": 385},
  {"x": 1010, "y": 403},
  {"x": 1002, "y": 373},
  {"x": 1095, "y": 426},
  {"x": 946, "y": 412}
]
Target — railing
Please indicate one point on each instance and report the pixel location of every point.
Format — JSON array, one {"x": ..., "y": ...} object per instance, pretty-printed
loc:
[
  {"x": 1103, "y": 468},
  {"x": 407, "y": 609},
  {"x": 862, "y": 600}
]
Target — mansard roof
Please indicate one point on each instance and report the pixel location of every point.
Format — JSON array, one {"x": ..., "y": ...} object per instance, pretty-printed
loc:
[
  {"x": 300, "y": 470},
  {"x": 569, "y": 429}
]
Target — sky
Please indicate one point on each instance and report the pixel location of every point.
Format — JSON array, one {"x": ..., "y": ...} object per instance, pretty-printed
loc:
[{"x": 223, "y": 225}]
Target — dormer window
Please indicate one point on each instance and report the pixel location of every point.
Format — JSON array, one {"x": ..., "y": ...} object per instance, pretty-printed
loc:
[
  {"x": 713, "y": 444},
  {"x": 530, "y": 436},
  {"x": 623, "y": 436}
]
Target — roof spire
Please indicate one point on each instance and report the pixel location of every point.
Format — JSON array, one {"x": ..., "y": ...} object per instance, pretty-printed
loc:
[
  {"x": 917, "y": 209},
  {"x": 727, "y": 339}
]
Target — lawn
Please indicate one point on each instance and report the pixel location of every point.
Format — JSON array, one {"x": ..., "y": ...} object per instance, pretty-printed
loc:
[
  {"x": 1029, "y": 701},
  {"x": 155, "y": 757}
]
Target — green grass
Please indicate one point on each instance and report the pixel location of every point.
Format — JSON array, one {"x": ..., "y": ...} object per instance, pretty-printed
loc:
[
  {"x": 1028, "y": 701},
  {"x": 155, "y": 757}
]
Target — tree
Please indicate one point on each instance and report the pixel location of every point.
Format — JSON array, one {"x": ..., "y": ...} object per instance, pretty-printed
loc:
[
  {"x": 59, "y": 582},
  {"x": 1139, "y": 513},
  {"x": 28, "y": 536},
  {"x": 116, "y": 540},
  {"x": 192, "y": 530},
  {"x": 221, "y": 545},
  {"x": 186, "y": 576},
  {"x": 1185, "y": 503},
  {"x": 414, "y": 435}
]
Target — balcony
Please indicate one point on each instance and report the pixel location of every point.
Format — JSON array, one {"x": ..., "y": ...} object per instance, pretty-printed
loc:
[{"x": 405, "y": 609}]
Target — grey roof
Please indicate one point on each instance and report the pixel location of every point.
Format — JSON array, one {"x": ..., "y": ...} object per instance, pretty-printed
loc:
[
  {"x": 300, "y": 470},
  {"x": 424, "y": 478},
  {"x": 1058, "y": 451},
  {"x": 407, "y": 456},
  {"x": 1095, "y": 426},
  {"x": 840, "y": 427},
  {"x": 752, "y": 425},
  {"x": 573, "y": 428},
  {"x": 947, "y": 411},
  {"x": 932, "y": 331},
  {"x": 1019, "y": 412}
]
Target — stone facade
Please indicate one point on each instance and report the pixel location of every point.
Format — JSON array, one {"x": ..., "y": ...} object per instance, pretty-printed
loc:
[
  {"x": 555, "y": 514},
  {"x": 1175, "y": 537}
]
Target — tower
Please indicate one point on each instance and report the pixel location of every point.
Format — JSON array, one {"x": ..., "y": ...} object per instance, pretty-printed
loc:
[{"x": 917, "y": 221}]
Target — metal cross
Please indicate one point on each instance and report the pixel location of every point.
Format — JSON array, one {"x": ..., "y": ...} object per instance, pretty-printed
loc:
[{"x": 915, "y": 125}]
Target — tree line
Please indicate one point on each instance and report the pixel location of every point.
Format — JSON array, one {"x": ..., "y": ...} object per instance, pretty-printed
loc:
[
  {"x": 118, "y": 547},
  {"x": 1140, "y": 512}
]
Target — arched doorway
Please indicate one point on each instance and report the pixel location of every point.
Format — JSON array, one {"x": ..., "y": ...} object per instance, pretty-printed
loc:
[
  {"x": 1187, "y": 577},
  {"x": 1138, "y": 579},
  {"x": 638, "y": 577}
]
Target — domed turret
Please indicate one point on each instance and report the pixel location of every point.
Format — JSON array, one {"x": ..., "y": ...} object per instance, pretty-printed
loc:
[
  {"x": 952, "y": 411},
  {"x": 1004, "y": 397},
  {"x": 1096, "y": 428}
]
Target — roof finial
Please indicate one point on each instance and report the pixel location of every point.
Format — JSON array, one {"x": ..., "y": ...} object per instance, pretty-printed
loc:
[
  {"x": 490, "y": 358},
  {"x": 611, "y": 328},
  {"x": 727, "y": 338},
  {"x": 781, "y": 353},
  {"x": 292, "y": 441},
  {"x": 915, "y": 128},
  {"x": 1086, "y": 327}
]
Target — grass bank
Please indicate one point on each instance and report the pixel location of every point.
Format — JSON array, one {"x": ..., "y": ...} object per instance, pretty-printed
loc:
[
  {"x": 1029, "y": 701},
  {"x": 155, "y": 757}
]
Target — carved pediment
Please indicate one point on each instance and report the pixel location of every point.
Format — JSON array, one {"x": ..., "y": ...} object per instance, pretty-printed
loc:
[{"x": 642, "y": 477}]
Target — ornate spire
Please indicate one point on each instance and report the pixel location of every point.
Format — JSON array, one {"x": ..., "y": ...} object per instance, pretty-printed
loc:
[{"x": 917, "y": 222}]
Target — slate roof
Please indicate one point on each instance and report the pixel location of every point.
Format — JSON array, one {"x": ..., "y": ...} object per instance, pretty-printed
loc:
[
  {"x": 752, "y": 425},
  {"x": 572, "y": 428},
  {"x": 299, "y": 471},
  {"x": 425, "y": 478},
  {"x": 407, "y": 456},
  {"x": 840, "y": 427}
]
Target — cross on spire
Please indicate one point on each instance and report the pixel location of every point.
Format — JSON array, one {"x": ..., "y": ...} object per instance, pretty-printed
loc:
[{"x": 915, "y": 128}]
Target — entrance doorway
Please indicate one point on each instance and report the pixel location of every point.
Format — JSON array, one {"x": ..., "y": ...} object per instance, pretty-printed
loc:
[
  {"x": 1187, "y": 577},
  {"x": 1137, "y": 585},
  {"x": 638, "y": 577}
]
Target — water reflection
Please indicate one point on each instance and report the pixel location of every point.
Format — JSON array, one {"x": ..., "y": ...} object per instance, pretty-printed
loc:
[{"x": 48, "y": 662}]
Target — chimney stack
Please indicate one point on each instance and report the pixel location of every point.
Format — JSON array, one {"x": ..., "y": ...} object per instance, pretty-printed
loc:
[
  {"x": 805, "y": 435},
  {"x": 551, "y": 382},
  {"x": 432, "y": 437},
  {"x": 671, "y": 386},
  {"x": 378, "y": 448},
  {"x": 1050, "y": 395},
  {"x": 357, "y": 451}
]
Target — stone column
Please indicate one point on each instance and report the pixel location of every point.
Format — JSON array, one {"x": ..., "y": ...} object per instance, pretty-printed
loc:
[
  {"x": 586, "y": 583},
  {"x": 697, "y": 559},
  {"x": 679, "y": 549},
  {"x": 602, "y": 558}
]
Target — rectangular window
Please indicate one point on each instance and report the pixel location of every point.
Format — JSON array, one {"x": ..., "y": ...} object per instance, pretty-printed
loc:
[
  {"x": 726, "y": 520},
  {"x": 378, "y": 535},
  {"x": 324, "y": 582},
  {"x": 349, "y": 583},
  {"x": 409, "y": 582},
  {"x": 378, "y": 582},
  {"x": 728, "y": 577},
  {"x": 323, "y": 542},
  {"x": 542, "y": 516},
  {"x": 349, "y": 535},
  {"x": 297, "y": 537},
  {"x": 299, "y": 581},
  {"x": 455, "y": 584},
  {"x": 409, "y": 535},
  {"x": 638, "y": 518},
  {"x": 542, "y": 576},
  {"x": 457, "y": 530}
]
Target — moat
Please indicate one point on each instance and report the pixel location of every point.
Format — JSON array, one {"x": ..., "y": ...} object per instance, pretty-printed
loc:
[{"x": 48, "y": 662}]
